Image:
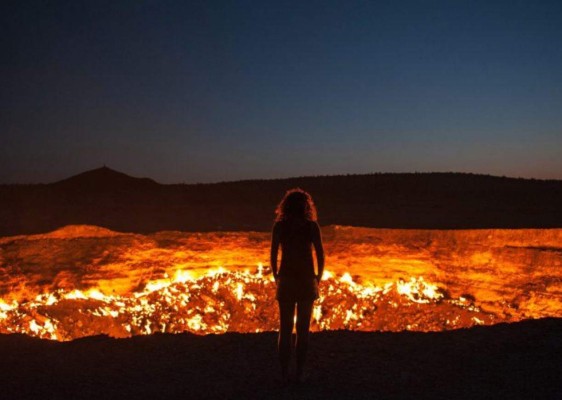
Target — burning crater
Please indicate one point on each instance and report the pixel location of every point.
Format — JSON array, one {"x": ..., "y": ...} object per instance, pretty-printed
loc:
[{"x": 84, "y": 280}]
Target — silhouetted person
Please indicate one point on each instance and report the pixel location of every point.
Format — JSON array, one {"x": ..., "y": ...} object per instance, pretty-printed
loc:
[{"x": 297, "y": 232}]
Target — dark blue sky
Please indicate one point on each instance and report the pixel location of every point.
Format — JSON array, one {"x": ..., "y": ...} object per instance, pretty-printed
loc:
[{"x": 211, "y": 91}]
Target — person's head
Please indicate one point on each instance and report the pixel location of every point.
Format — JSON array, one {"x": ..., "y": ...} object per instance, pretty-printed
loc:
[{"x": 296, "y": 204}]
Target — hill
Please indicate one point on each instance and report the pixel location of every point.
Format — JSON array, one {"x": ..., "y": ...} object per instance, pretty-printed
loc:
[
  {"x": 114, "y": 200},
  {"x": 104, "y": 178}
]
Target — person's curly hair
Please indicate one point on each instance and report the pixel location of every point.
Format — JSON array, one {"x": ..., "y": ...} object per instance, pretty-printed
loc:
[{"x": 296, "y": 203}]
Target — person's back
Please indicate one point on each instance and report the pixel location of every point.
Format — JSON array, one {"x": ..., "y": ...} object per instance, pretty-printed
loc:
[{"x": 296, "y": 238}]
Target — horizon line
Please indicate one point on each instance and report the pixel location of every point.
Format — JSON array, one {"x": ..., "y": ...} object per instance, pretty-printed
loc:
[{"x": 104, "y": 166}]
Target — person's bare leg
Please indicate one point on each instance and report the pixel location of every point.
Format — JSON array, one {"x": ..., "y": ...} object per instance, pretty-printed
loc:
[
  {"x": 304, "y": 313},
  {"x": 286, "y": 317}
]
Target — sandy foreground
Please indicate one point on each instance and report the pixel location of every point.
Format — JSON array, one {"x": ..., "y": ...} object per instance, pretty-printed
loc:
[{"x": 505, "y": 361}]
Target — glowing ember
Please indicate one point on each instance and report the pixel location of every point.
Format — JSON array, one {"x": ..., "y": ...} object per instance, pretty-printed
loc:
[
  {"x": 90, "y": 281},
  {"x": 224, "y": 301}
]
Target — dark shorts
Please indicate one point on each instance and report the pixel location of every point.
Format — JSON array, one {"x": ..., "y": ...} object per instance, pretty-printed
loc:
[{"x": 293, "y": 290}]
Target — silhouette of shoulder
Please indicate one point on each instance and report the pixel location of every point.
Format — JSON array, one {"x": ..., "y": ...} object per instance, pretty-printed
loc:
[
  {"x": 315, "y": 229},
  {"x": 312, "y": 226}
]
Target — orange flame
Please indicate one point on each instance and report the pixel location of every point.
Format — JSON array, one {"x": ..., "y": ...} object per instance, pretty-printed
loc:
[
  {"x": 223, "y": 301},
  {"x": 81, "y": 281}
]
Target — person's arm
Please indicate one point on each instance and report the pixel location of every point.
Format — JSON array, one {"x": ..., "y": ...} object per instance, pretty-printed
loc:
[
  {"x": 319, "y": 249},
  {"x": 274, "y": 250}
]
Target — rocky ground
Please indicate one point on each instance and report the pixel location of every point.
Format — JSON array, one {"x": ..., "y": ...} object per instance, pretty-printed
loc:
[{"x": 505, "y": 361}]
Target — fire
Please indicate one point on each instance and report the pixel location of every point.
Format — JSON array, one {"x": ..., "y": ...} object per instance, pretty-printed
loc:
[
  {"x": 414, "y": 288},
  {"x": 222, "y": 301},
  {"x": 205, "y": 283}
]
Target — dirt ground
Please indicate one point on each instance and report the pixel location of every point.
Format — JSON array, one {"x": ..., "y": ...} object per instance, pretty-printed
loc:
[{"x": 506, "y": 361}]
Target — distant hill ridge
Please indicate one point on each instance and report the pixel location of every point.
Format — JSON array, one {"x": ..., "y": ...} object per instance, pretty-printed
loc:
[
  {"x": 104, "y": 177},
  {"x": 108, "y": 198}
]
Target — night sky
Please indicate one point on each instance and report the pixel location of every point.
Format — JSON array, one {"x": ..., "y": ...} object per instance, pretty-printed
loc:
[{"x": 212, "y": 91}]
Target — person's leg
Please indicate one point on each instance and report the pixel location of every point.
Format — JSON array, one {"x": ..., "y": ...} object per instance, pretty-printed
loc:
[
  {"x": 304, "y": 313},
  {"x": 286, "y": 317}
]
